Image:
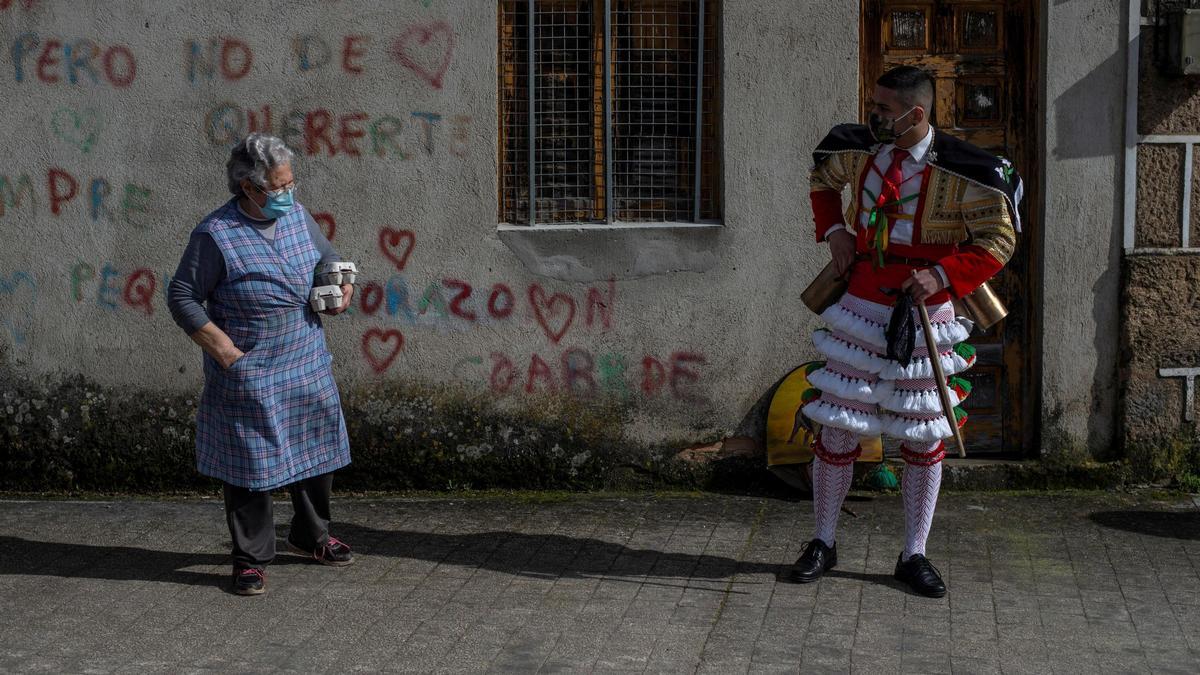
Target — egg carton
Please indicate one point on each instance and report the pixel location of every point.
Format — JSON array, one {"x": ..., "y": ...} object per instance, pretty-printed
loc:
[
  {"x": 335, "y": 274},
  {"x": 323, "y": 298}
]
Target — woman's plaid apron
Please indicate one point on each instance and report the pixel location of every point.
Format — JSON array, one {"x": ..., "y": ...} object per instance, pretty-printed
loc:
[{"x": 274, "y": 416}]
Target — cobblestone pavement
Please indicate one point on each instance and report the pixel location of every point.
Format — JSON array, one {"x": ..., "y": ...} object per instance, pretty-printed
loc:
[{"x": 1038, "y": 584}]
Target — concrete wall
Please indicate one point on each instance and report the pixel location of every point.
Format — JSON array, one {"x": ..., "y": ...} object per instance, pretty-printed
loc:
[
  {"x": 118, "y": 118},
  {"x": 115, "y": 150},
  {"x": 1084, "y": 81},
  {"x": 1161, "y": 304}
]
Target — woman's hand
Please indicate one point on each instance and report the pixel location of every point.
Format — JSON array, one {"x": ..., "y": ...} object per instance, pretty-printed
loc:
[
  {"x": 217, "y": 344},
  {"x": 231, "y": 357},
  {"x": 347, "y": 295}
]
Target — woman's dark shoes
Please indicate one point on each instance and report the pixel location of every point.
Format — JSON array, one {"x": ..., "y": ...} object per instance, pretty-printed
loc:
[
  {"x": 814, "y": 560},
  {"x": 249, "y": 581},
  {"x": 334, "y": 552},
  {"x": 920, "y": 575}
]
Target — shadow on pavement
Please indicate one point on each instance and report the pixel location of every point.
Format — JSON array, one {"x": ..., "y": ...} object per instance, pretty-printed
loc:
[
  {"x": 30, "y": 557},
  {"x": 519, "y": 554},
  {"x": 544, "y": 555},
  {"x": 531, "y": 555},
  {"x": 1173, "y": 525},
  {"x": 877, "y": 579}
]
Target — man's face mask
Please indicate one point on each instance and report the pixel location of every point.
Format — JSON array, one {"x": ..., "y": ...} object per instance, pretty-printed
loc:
[{"x": 884, "y": 130}]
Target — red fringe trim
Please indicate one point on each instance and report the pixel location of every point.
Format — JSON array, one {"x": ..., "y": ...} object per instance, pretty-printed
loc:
[
  {"x": 923, "y": 458},
  {"x": 834, "y": 459}
]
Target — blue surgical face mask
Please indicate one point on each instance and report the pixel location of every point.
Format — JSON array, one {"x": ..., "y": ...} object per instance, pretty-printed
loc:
[{"x": 278, "y": 204}]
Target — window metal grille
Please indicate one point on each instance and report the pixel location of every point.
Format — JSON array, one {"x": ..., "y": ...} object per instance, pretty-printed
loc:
[{"x": 643, "y": 148}]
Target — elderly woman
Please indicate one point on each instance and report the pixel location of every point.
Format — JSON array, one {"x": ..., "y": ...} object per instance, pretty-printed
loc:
[{"x": 270, "y": 415}]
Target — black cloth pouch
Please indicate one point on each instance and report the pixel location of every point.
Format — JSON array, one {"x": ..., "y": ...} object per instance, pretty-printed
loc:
[{"x": 901, "y": 331}]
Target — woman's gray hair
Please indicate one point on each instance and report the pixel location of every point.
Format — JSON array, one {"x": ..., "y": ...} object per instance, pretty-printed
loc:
[{"x": 253, "y": 157}]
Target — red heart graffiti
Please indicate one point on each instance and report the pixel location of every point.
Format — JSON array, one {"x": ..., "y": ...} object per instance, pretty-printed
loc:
[
  {"x": 423, "y": 34},
  {"x": 390, "y": 241},
  {"x": 537, "y": 298},
  {"x": 384, "y": 337}
]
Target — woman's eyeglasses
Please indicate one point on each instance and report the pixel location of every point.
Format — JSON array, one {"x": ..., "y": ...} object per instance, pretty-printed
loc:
[{"x": 286, "y": 189}]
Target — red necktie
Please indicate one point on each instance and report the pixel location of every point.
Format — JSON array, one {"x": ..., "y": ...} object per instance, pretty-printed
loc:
[
  {"x": 892, "y": 178},
  {"x": 886, "y": 207}
]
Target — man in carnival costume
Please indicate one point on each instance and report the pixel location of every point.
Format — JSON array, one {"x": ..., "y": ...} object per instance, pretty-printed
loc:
[{"x": 932, "y": 218}]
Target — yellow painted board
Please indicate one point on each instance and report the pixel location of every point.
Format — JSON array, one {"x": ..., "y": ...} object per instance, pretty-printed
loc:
[{"x": 782, "y": 448}]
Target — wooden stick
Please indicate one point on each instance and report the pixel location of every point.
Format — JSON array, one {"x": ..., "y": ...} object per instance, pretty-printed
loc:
[{"x": 939, "y": 376}]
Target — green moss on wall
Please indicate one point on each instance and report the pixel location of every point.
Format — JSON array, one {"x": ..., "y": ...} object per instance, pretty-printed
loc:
[
  {"x": 75, "y": 435},
  {"x": 1169, "y": 458}
]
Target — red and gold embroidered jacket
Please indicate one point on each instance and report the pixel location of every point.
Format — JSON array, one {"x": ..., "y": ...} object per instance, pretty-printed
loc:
[{"x": 966, "y": 219}]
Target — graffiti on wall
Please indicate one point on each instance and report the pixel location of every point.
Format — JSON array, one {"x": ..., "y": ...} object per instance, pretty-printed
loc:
[
  {"x": 424, "y": 51},
  {"x": 381, "y": 346},
  {"x": 558, "y": 318},
  {"x": 79, "y": 129},
  {"x": 18, "y": 294},
  {"x": 455, "y": 305},
  {"x": 229, "y": 59},
  {"x": 578, "y": 372},
  {"x": 16, "y": 192},
  {"x": 109, "y": 287},
  {"x": 56, "y": 60},
  {"x": 324, "y": 133},
  {"x": 66, "y": 194},
  {"x": 526, "y": 337}
]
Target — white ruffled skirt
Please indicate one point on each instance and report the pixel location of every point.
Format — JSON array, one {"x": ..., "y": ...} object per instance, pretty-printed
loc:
[{"x": 865, "y": 392}]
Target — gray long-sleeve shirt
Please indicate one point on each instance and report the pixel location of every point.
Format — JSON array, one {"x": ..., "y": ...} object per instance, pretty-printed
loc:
[{"x": 202, "y": 267}]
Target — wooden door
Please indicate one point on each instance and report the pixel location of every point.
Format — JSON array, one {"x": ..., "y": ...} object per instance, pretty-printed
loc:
[{"x": 980, "y": 55}]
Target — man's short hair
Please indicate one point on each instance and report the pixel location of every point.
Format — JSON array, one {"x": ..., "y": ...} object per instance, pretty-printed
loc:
[{"x": 915, "y": 86}]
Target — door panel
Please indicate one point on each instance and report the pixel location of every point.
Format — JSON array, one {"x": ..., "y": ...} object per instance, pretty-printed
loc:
[{"x": 976, "y": 52}]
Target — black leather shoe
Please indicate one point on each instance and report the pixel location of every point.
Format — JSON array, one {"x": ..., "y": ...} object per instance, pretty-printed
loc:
[
  {"x": 920, "y": 575},
  {"x": 249, "y": 581},
  {"x": 814, "y": 560}
]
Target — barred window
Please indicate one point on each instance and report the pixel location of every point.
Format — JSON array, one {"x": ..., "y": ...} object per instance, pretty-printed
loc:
[{"x": 642, "y": 149}]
